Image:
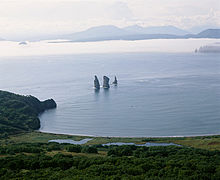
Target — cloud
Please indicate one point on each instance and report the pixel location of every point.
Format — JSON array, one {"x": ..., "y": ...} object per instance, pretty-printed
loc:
[
  {"x": 176, "y": 12},
  {"x": 59, "y": 16}
]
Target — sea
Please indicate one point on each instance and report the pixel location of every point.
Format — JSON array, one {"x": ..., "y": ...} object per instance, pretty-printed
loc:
[{"x": 158, "y": 93}]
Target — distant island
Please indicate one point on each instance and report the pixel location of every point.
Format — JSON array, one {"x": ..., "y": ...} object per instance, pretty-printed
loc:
[
  {"x": 106, "y": 33},
  {"x": 135, "y": 32},
  {"x": 23, "y": 43},
  {"x": 20, "y": 113},
  {"x": 213, "y": 48}
]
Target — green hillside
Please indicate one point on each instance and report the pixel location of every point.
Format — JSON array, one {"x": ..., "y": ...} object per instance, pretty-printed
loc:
[
  {"x": 64, "y": 161},
  {"x": 20, "y": 113}
]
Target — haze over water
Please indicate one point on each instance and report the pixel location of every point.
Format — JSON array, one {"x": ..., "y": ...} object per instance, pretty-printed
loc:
[{"x": 159, "y": 94}]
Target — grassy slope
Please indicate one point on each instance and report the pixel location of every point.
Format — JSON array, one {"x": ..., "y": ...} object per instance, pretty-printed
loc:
[{"x": 203, "y": 142}]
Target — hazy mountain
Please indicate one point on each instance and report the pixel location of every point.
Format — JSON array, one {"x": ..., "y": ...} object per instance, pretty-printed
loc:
[
  {"x": 198, "y": 29},
  {"x": 135, "y": 29},
  {"x": 146, "y": 36},
  {"x": 209, "y": 33},
  {"x": 94, "y": 33},
  {"x": 107, "y": 32},
  {"x": 156, "y": 30},
  {"x": 101, "y": 33}
]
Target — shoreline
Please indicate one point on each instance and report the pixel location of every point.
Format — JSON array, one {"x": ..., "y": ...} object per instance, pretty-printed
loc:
[
  {"x": 94, "y": 136},
  {"x": 208, "y": 142}
]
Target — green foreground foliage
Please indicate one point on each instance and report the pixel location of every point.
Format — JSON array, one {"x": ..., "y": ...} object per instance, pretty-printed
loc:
[{"x": 35, "y": 161}]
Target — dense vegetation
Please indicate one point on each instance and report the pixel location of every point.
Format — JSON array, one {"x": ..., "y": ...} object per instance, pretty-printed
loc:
[
  {"x": 20, "y": 113},
  {"x": 34, "y": 161}
]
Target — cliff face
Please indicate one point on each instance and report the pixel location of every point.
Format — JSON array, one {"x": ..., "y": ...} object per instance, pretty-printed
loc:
[
  {"x": 49, "y": 104},
  {"x": 39, "y": 106},
  {"x": 106, "y": 82},
  {"x": 96, "y": 83},
  {"x": 20, "y": 113},
  {"x": 115, "y": 82}
]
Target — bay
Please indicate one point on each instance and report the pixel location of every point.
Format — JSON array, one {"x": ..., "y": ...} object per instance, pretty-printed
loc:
[{"x": 159, "y": 94}]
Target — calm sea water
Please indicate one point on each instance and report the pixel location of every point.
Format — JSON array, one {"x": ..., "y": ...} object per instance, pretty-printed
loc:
[{"x": 159, "y": 94}]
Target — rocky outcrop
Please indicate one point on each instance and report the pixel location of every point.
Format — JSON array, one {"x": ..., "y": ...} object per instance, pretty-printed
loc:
[
  {"x": 39, "y": 106},
  {"x": 49, "y": 104},
  {"x": 115, "y": 82},
  {"x": 106, "y": 82},
  {"x": 96, "y": 83}
]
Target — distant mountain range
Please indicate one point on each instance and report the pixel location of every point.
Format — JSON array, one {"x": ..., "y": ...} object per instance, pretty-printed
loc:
[
  {"x": 198, "y": 29},
  {"x": 210, "y": 33},
  {"x": 104, "y": 33},
  {"x": 171, "y": 30},
  {"x": 110, "y": 32}
]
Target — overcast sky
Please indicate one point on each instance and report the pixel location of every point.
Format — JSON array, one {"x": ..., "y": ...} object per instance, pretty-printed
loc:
[{"x": 61, "y": 16}]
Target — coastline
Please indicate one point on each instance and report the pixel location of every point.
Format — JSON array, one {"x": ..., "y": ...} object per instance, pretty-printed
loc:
[
  {"x": 87, "y": 135},
  {"x": 210, "y": 142}
]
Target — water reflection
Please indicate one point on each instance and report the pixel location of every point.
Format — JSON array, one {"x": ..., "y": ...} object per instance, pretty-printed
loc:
[
  {"x": 96, "y": 94},
  {"x": 48, "y": 114},
  {"x": 106, "y": 93},
  {"x": 115, "y": 86}
]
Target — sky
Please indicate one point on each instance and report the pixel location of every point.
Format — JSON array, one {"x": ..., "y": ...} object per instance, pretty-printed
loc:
[{"x": 23, "y": 17}]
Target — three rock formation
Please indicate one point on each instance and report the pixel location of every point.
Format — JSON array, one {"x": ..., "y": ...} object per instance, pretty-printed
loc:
[
  {"x": 115, "y": 82},
  {"x": 96, "y": 83},
  {"x": 105, "y": 82}
]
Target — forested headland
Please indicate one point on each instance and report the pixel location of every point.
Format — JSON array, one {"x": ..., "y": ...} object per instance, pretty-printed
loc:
[{"x": 20, "y": 113}]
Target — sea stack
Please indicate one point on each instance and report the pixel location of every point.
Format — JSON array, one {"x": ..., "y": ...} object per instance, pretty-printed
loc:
[
  {"x": 96, "y": 83},
  {"x": 115, "y": 82},
  {"x": 106, "y": 82}
]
